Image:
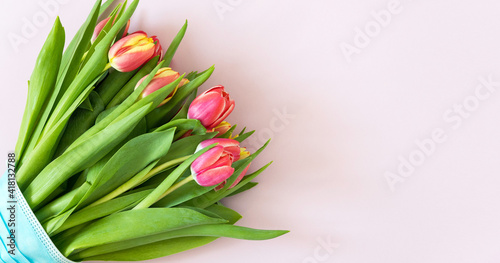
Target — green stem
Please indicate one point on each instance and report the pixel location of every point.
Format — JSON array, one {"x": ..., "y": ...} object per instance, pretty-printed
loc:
[
  {"x": 138, "y": 179},
  {"x": 176, "y": 186},
  {"x": 55, "y": 207},
  {"x": 145, "y": 204},
  {"x": 165, "y": 166}
]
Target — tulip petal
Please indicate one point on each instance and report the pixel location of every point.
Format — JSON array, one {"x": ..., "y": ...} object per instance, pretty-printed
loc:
[
  {"x": 207, "y": 159},
  {"x": 206, "y": 108},
  {"x": 98, "y": 29},
  {"x": 126, "y": 29},
  {"x": 224, "y": 142},
  {"x": 224, "y": 160},
  {"x": 130, "y": 61},
  {"x": 244, "y": 153},
  {"x": 211, "y": 107},
  {"x": 158, "y": 48},
  {"x": 214, "y": 176},
  {"x": 217, "y": 89},
  {"x": 224, "y": 116},
  {"x": 243, "y": 173},
  {"x": 230, "y": 146},
  {"x": 159, "y": 81},
  {"x": 126, "y": 41},
  {"x": 234, "y": 151},
  {"x": 140, "y": 48},
  {"x": 165, "y": 72},
  {"x": 220, "y": 186},
  {"x": 222, "y": 128}
]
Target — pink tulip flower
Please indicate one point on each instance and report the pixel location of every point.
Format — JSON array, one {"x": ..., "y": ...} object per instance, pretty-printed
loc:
[
  {"x": 214, "y": 166},
  {"x": 243, "y": 154},
  {"x": 211, "y": 107}
]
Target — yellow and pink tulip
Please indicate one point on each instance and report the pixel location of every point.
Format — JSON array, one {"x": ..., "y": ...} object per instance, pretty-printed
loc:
[
  {"x": 132, "y": 51},
  {"x": 162, "y": 78},
  {"x": 222, "y": 128}
]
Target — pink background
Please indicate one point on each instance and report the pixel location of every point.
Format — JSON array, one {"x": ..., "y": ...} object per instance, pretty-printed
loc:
[{"x": 340, "y": 122}]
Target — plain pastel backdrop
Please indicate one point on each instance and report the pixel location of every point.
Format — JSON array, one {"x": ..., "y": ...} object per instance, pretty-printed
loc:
[{"x": 384, "y": 117}]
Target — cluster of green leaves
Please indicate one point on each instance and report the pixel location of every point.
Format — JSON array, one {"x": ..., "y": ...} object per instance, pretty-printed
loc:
[{"x": 107, "y": 172}]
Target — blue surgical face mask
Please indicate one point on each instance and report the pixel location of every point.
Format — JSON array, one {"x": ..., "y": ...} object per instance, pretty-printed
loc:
[{"x": 23, "y": 238}]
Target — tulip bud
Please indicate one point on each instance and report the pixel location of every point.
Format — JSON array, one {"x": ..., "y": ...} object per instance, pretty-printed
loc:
[
  {"x": 162, "y": 78},
  {"x": 214, "y": 166},
  {"x": 211, "y": 107},
  {"x": 132, "y": 51},
  {"x": 222, "y": 128},
  {"x": 230, "y": 146},
  {"x": 98, "y": 29},
  {"x": 183, "y": 82},
  {"x": 100, "y": 26},
  {"x": 243, "y": 154}
]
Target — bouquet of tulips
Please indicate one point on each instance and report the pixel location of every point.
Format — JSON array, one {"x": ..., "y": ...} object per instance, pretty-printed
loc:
[{"x": 118, "y": 157}]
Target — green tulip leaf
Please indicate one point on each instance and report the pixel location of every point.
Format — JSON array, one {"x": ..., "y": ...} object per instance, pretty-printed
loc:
[
  {"x": 243, "y": 136},
  {"x": 141, "y": 252},
  {"x": 130, "y": 104},
  {"x": 191, "y": 75},
  {"x": 102, "y": 34},
  {"x": 225, "y": 212},
  {"x": 113, "y": 83},
  {"x": 212, "y": 197},
  {"x": 183, "y": 194},
  {"x": 69, "y": 201},
  {"x": 214, "y": 211},
  {"x": 241, "y": 165},
  {"x": 42, "y": 153},
  {"x": 159, "y": 115},
  {"x": 151, "y": 250},
  {"x": 94, "y": 67},
  {"x": 136, "y": 180},
  {"x": 67, "y": 72},
  {"x": 104, "y": 209},
  {"x": 80, "y": 157},
  {"x": 124, "y": 226},
  {"x": 184, "y": 124},
  {"x": 243, "y": 188},
  {"x": 183, "y": 111},
  {"x": 63, "y": 236},
  {"x": 170, "y": 180},
  {"x": 185, "y": 146},
  {"x": 128, "y": 88},
  {"x": 229, "y": 132},
  {"x": 79, "y": 122},
  {"x": 130, "y": 159},
  {"x": 169, "y": 54},
  {"x": 41, "y": 85},
  {"x": 105, "y": 6},
  {"x": 48, "y": 211}
]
